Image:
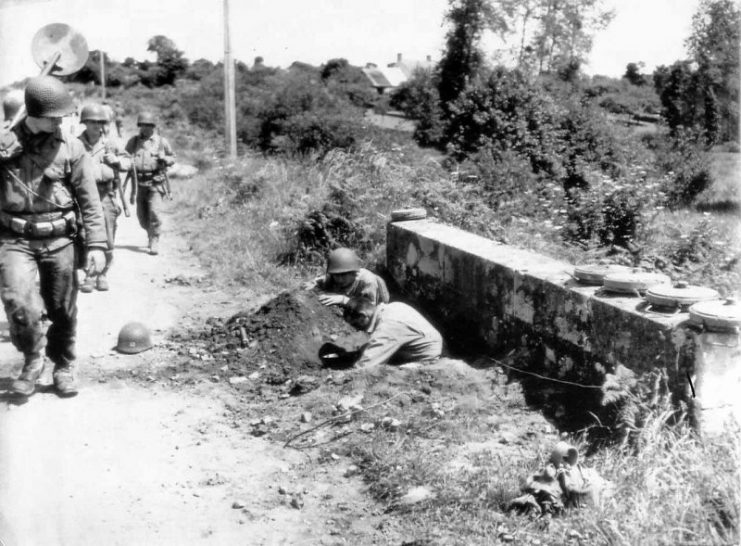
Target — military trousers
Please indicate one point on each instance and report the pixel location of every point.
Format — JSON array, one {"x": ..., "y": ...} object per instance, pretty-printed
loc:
[
  {"x": 24, "y": 301},
  {"x": 149, "y": 208},
  {"x": 111, "y": 212}
]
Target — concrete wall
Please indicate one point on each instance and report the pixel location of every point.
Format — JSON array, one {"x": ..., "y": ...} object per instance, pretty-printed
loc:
[{"x": 494, "y": 297}]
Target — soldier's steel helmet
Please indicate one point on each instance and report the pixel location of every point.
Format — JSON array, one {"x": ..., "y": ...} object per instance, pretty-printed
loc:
[
  {"x": 146, "y": 118},
  {"x": 134, "y": 338},
  {"x": 342, "y": 260},
  {"x": 47, "y": 97},
  {"x": 562, "y": 453},
  {"x": 12, "y": 101},
  {"x": 93, "y": 112}
]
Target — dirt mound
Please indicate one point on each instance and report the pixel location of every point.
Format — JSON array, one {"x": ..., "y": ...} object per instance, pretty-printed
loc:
[{"x": 280, "y": 340}]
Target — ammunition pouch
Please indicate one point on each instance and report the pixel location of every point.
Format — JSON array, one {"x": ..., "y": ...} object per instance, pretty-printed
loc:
[
  {"x": 147, "y": 179},
  {"x": 40, "y": 226}
]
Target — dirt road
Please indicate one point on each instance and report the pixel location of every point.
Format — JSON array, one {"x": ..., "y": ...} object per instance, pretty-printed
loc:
[{"x": 135, "y": 459}]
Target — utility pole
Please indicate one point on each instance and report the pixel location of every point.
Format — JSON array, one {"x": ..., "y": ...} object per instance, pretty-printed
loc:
[
  {"x": 230, "y": 116},
  {"x": 102, "y": 73}
]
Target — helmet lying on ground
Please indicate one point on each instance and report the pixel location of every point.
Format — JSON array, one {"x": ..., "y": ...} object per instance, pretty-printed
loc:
[{"x": 134, "y": 338}]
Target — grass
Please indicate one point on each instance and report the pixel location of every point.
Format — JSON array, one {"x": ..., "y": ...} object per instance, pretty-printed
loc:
[
  {"x": 264, "y": 204},
  {"x": 672, "y": 489},
  {"x": 242, "y": 218},
  {"x": 725, "y": 194}
]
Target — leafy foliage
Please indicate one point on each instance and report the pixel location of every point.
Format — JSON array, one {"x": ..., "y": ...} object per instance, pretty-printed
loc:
[
  {"x": 704, "y": 94},
  {"x": 462, "y": 58},
  {"x": 304, "y": 116}
]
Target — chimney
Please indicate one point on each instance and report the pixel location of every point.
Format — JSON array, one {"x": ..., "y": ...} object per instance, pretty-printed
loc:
[{"x": 398, "y": 57}]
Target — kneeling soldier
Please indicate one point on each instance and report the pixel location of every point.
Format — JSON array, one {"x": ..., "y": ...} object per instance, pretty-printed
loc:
[
  {"x": 108, "y": 159},
  {"x": 44, "y": 176}
]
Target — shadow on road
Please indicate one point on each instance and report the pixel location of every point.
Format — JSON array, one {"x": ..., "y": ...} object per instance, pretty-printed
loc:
[{"x": 133, "y": 248}]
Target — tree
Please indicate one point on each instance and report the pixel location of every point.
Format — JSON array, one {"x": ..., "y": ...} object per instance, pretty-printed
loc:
[
  {"x": 678, "y": 87},
  {"x": 170, "y": 61},
  {"x": 463, "y": 58},
  {"x": 199, "y": 69},
  {"x": 714, "y": 46},
  {"x": 566, "y": 31},
  {"x": 419, "y": 100},
  {"x": 633, "y": 74}
]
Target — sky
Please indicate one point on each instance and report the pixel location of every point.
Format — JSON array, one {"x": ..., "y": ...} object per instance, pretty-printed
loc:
[{"x": 312, "y": 31}]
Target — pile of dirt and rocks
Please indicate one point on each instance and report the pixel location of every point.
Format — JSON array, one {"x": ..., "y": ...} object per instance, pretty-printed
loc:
[{"x": 276, "y": 343}]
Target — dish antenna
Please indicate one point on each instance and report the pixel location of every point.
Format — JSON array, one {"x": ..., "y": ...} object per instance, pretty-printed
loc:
[{"x": 59, "y": 50}]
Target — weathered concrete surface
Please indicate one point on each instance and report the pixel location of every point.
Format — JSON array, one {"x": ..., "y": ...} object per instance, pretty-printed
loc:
[{"x": 495, "y": 297}]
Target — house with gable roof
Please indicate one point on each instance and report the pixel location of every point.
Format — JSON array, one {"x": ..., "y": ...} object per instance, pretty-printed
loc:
[{"x": 386, "y": 78}]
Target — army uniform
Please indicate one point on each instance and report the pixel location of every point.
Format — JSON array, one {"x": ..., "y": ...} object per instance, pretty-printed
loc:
[
  {"x": 398, "y": 333},
  {"x": 115, "y": 116},
  {"x": 346, "y": 279},
  {"x": 366, "y": 285},
  {"x": 108, "y": 159},
  {"x": 150, "y": 156},
  {"x": 46, "y": 180}
]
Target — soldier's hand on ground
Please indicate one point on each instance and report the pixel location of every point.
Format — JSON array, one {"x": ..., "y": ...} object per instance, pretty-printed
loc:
[
  {"x": 95, "y": 261},
  {"x": 332, "y": 299}
]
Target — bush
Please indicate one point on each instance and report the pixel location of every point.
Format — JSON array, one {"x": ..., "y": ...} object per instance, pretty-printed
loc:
[
  {"x": 502, "y": 112},
  {"x": 686, "y": 163},
  {"x": 303, "y": 117},
  {"x": 611, "y": 211},
  {"x": 419, "y": 99}
]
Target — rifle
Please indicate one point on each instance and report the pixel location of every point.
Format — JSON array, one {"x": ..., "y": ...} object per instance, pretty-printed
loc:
[
  {"x": 117, "y": 183},
  {"x": 134, "y": 182},
  {"x": 168, "y": 190},
  {"x": 127, "y": 213}
]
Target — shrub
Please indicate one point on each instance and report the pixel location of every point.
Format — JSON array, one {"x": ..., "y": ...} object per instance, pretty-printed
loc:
[
  {"x": 611, "y": 211},
  {"x": 419, "y": 99},
  {"x": 686, "y": 163},
  {"x": 303, "y": 116},
  {"x": 500, "y": 112}
]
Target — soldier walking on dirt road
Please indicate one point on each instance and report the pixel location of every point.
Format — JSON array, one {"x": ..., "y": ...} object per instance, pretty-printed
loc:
[
  {"x": 45, "y": 176},
  {"x": 151, "y": 154},
  {"x": 108, "y": 159}
]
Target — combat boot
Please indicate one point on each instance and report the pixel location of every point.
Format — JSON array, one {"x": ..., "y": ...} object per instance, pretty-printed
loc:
[
  {"x": 25, "y": 385},
  {"x": 154, "y": 243},
  {"x": 87, "y": 285},
  {"x": 102, "y": 283},
  {"x": 65, "y": 380}
]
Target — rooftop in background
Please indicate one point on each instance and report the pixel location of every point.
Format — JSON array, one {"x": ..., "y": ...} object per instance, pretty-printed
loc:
[{"x": 396, "y": 73}]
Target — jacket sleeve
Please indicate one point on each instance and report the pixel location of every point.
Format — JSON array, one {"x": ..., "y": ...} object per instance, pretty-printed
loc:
[
  {"x": 169, "y": 155},
  {"x": 130, "y": 147},
  {"x": 83, "y": 184},
  {"x": 382, "y": 345},
  {"x": 123, "y": 161}
]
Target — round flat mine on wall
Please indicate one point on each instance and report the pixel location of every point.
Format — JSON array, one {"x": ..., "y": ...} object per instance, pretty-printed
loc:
[
  {"x": 401, "y": 215},
  {"x": 717, "y": 316},
  {"x": 679, "y": 295},
  {"x": 594, "y": 274},
  {"x": 634, "y": 281}
]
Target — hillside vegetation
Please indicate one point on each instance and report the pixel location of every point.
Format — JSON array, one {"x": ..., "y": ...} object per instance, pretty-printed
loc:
[{"x": 638, "y": 170}]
